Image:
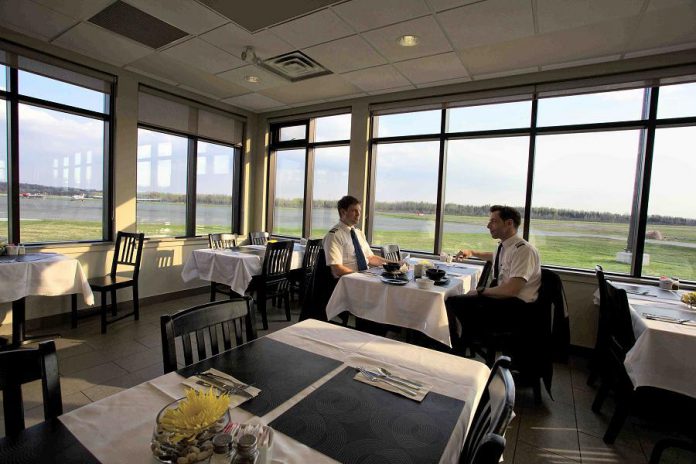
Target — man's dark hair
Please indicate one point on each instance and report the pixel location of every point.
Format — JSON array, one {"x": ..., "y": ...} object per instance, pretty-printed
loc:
[
  {"x": 507, "y": 212},
  {"x": 346, "y": 202}
]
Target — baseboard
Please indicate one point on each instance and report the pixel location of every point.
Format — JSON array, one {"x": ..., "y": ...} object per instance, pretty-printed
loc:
[{"x": 54, "y": 320}]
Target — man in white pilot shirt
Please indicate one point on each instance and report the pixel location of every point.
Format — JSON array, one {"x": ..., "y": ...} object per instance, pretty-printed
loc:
[
  {"x": 345, "y": 246},
  {"x": 516, "y": 280}
]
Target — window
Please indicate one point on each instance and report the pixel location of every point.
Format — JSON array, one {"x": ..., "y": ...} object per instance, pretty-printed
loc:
[
  {"x": 61, "y": 153},
  {"x": 591, "y": 108},
  {"x": 677, "y": 101},
  {"x": 308, "y": 176},
  {"x": 215, "y": 195},
  {"x": 489, "y": 117},
  {"x": 400, "y": 124}
]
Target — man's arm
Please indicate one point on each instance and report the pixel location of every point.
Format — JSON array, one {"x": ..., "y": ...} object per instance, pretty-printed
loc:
[
  {"x": 466, "y": 254},
  {"x": 509, "y": 289},
  {"x": 339, "y": 269},
  {"x": 375, "y": 260}
]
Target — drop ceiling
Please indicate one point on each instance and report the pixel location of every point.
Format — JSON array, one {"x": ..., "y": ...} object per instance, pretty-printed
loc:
[{"x": 458, "y": 40}]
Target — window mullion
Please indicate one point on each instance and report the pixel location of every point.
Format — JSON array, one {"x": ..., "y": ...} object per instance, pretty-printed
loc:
[
  {"x": 308, "y": 193},
  {"x": 192, "y": 154},
  {"x": 530, "y": 169},
  {"x": 13, "y": 189},
  {"x": 441, "y": 176}
]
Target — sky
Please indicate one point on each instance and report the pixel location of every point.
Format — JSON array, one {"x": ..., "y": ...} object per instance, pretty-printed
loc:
[{"x": 578, "y": 171}]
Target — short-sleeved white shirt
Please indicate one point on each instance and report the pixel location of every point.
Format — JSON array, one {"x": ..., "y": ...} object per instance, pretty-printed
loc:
[
  {"x": 338, "y": 246},
  {"x": 519, "y": 258}
]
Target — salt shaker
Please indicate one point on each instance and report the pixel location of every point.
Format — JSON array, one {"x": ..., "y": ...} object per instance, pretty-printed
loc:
[
  {"x": 675, "y": 283},
  {"x": 247, "y": 450}
]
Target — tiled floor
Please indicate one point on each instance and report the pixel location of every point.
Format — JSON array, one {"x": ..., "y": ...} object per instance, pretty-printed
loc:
[{"x": 559, "y": 431}]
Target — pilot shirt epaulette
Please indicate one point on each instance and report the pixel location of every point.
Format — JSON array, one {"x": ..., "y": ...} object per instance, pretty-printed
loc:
[
  {"x": 333, "y": 231},
  {"x": 520, "y": 244}
]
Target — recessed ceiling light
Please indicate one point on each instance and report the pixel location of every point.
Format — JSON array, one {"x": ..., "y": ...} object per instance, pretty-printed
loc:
[
  {"x": 408, "y": 40},
  {"x": 252, "y": 79}
]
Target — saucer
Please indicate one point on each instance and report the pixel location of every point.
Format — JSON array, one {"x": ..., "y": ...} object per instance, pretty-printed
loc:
[
  {"x": 442, "y": 282},
  {"x": 389, "y": 281}
]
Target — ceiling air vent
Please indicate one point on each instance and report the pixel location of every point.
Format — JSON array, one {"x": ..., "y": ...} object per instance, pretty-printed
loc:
[{"x": 294, "y": 66}]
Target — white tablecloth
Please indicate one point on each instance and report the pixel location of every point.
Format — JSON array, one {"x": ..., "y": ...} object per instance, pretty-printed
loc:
[
  {"x": 51, "y": 275},
  {"x": 230, "y": 267},
  {"x": 663, "y": 353},
  {"x": 366, "y": 296},
  {"x": 118, "y": 428}
]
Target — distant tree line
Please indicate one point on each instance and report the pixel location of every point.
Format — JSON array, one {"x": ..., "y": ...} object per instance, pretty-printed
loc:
[{"x": 51, "y": 190}]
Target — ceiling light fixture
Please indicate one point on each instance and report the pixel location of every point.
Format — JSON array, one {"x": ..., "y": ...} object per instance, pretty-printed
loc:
[
  {"x": 252, "y": 79},
  {"x": 408, "y": 40}
]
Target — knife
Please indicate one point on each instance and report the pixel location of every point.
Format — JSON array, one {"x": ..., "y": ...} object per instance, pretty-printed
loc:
[{"x": 224, "y": 387}]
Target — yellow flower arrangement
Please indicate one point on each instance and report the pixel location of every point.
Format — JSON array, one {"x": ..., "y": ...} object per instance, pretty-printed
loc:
[
  {"x": 195, "y": 413},
  {"x": 689, "y": 298}
]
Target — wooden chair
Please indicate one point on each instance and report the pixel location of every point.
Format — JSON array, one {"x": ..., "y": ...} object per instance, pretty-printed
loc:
[
  {"x": 128, "y": 251},
  {"x": 299, "y": 278},
  {"x": 273, "y": 281},
  {"x": 18, "y": 367},
  {"x": 391, "y": 252},
  {"x": 205, "y": 324},
  {"x": 484, "y": 441},
  {"x": 220, "y": 242},
  {"x": 258, "y": 238},
  {"x": 600, "y": 352}
]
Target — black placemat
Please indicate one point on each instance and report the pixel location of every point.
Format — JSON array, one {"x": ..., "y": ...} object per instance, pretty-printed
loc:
[
  {"x": 278, "y": 369},
  {"x": 45, "y": 443},
  {"x": 353, "y": 422}
]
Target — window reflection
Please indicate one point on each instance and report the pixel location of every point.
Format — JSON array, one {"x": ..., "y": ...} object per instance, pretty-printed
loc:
[
  {"x": 289, "y": 192},
  {"x": 214, "y": 180}
]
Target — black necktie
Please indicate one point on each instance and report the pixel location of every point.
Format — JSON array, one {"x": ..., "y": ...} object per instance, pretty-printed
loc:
[
  {"x": 359, "y": 255},
  {"x": 496, "y": 270}
]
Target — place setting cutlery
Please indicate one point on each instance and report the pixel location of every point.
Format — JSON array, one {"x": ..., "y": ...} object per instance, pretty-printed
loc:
[
  {"x": 223, "y": 383},
  {"x": 672, "y": 320},
  {"x": 378, "y": 375}
]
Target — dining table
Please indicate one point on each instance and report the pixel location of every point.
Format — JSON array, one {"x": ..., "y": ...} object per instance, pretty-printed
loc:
[
  {"x": 44, "y": 274},
  {"x": 371, "y": 295},
  {"x": 233, "y": 266},
  {"x": 665, "y": 331},
  {"x": 308, "y": 395}
]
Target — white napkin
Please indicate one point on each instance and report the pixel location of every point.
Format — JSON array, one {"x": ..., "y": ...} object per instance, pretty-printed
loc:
[
  {"x": 235, "y": 399},
  {"x": 419, "y": 396}
]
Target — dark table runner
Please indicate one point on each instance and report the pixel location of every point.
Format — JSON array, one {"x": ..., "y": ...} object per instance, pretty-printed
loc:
[
  {"x": 353, "y": 422},
  {"x": 47, "y": 442},
  {"x": 278, "y": 369}
]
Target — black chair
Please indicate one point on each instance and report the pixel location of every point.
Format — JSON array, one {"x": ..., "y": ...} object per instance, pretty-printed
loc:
[
  {"x": 391, "y": 252},
  {"x": 600, "y": 352},
  {"x": 273, "y": 281},
  {"x": 211, "y": 326},
  {"x": 258, "y": 238},
  {"x": 219, "y": 242},
  {"x": 484, "y": 441},
  {"x": 299, "y": 278},
  {"x": 662, "y": 445},
  {"x": 18, "y": 367},
  {"x": 321, "y": 286},
  {"x": 485, "y": 275},
  {"x": 128, "y": 251}
]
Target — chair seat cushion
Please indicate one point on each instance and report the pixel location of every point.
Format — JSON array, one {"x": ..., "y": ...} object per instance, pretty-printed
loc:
[{"x": 108, "y": 282}]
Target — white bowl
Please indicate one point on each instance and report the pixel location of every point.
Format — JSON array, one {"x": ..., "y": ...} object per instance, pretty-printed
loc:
[{"x": 425, "y": 283}]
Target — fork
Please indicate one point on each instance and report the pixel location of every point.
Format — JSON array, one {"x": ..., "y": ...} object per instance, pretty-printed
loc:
[
  {"x": 375, "y": 378},
  {"x": 225, "y": 380}
]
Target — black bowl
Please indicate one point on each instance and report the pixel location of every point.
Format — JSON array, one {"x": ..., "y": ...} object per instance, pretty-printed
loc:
[
  {"x": 391, "y": 267},
  {"x": 435, "y": 274}
]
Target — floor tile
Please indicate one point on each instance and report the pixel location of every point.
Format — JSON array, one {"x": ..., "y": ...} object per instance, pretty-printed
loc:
[{"x": 594, "y": 451}]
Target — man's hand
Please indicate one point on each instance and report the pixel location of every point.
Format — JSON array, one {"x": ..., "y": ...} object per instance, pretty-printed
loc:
[{"x": 464, "y": 254}]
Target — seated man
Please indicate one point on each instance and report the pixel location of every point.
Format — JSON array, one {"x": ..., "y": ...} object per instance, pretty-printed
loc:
[
  {"x": 345, "y": 246},
  {"x": 516, "y": 281}
]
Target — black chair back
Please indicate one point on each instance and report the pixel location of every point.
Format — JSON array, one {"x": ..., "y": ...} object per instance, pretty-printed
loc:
[
  {"x": 391, "y": 252},
  {"x": 220, "y": 241},
  {"x": 620, "y": 324},
  {"x": 277, "y": 260},
  {"x": 202, "y": 323},
  {"x": 310, "y": 255},
  {"x": 128, "y": 251},
  {"x": 18, "y": 367},
  {"x": 258, "y": 238},
  {"x": 492, "y": 416},
  {"x": 321, "y": 286},
  {"x": 485, "y": 275}
]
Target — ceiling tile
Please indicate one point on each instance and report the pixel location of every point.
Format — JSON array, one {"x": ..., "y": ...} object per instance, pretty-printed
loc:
[
  {"x": 267, "y": 78},
  {"x": 573, "y": 64},
  {"x": 79, "y": 9},
  {"x": 254, "y": 102},
  {"x": 439, "y": 5},
  {"x": 432, "y": 40},
  {"x": 511, "y": 72},
  {"x": 319, "y": 88},
  {"x": 158, "y": 64},
  {"x": 580, "y": 43},
  {"x": 93, "y": 41},
  {"x": 364, "y": 15},
  {"x": 432, "y": 68},
  {"x": 345, "y": 54},
  {"x": 554, "y": 15},
  {"x": 661, "y": 50},
  {"x": 203, "y": 56},
  {"x": 378, "y": 78},
  {"x": 313, "y": 29},
  {"x": 188, "y": 16},
  {"x": 233, "y": 39},
  {"x": 662, "y": 4},
  {"x": 33, "y": 19},
  {"x": 664, "y": 27},
  {"x": 488, "y": 22},
  {"x": 444, "y": 82},
  {"x": 198, "y": 92},
  {"x": 151, "y": 75},
  {"x": 395, "y": 89}
]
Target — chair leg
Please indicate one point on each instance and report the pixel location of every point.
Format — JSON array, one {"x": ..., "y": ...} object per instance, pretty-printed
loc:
[
  {"x": 73, "y": 305},
  {"x": 136, "y": 302},
  {"x": 212, "y": 291},
  {"x": 287, "y": 306},
  {"x": 261, "y": 305},
  {"x": 601, "y": 395},
  {"x": 113, "y": 303},
  {"x": 103, "y": 312},
  {"x": 536, "y": 387},
  {"x": 592, "y": 378},
  {"x": 617, "y": 421}
]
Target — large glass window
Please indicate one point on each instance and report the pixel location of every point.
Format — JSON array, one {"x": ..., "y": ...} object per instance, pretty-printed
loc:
[
  {"x": 289, "y": 192},
  {"x": 33, "y": 85},
  {"x": 161, "y": 197},
  {"x": 670, "y": 239},
  {"x": 620, "y": 105},
  {"x": 489, "y": 117},
  {"x": 400, "y": 124},
  {"x": 4, "y": 223},
  {"x": 3, "y": 77},
  {"x": 330, "y": 184},
  {"x": 481, "y": 172},
  {"x": 677, "y": 101},
  {"x": 214, "y": 187}
]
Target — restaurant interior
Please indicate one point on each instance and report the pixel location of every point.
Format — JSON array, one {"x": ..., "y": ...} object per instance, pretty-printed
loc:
[{"x": 169, "y": 165}]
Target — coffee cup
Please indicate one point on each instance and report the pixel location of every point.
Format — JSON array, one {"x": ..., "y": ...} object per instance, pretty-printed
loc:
[
  {"x": 666, "y": 283},
  {"x": 12, "y": 250}
]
